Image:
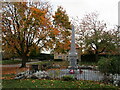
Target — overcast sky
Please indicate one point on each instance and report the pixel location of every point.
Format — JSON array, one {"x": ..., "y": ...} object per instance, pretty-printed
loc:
[{"x": 108, "y": 9}]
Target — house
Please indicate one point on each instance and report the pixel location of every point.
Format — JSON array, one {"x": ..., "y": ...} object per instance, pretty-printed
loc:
[{"x": 64, "y": 56}]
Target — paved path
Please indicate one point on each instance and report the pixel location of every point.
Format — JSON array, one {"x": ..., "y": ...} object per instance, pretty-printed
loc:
[{"x": 18, "y": 65}]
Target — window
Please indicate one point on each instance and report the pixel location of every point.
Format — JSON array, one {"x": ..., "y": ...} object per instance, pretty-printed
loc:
[{"x": 59, "y": 57}]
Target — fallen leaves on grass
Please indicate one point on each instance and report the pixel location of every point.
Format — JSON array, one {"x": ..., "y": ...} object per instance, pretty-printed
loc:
[
  {"x": 52, "y": 84},
  {"x": 8, "y": 71},
  {"x": 12, "y": 70},
  {"x": 7, "y": 78},
  {"x": 2, "y": 77},
  {"x": 33, "y": 81}
]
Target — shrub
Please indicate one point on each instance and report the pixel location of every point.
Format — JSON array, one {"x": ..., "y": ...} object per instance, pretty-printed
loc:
[
  {"x": 56, "y": 66},
  {"x": 58, "y": 60},
  {"x": 109, "y": 65},
  {"x": 68, "y": 78},
  {"x": 45, "y": 66}
]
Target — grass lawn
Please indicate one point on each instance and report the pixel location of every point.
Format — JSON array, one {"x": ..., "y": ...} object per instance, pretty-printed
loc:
[
  {"x": 66, "y": 63},
  {"x": 88, "y": 63},
  {"x": 9, "y": 82},
  {"x": 32, "y": 83},
  {"x": 63, "y": 64},
  {"x": 10, "y": 62}
]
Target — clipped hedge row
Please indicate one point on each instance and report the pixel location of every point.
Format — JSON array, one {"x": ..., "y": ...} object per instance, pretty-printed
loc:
[
  {"x": 91, "y": 57},
  {"x": 42, "y": 56}
]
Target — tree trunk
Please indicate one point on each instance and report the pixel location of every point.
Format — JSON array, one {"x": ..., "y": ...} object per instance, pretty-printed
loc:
[
  {"x": 24, "y": 60},
  {"x": 96, "y": 56}
]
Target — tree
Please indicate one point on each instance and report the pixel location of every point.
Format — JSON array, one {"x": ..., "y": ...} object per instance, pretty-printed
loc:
[
  {"x": 97, "y": 37},
  {"x": 62, "y": 23},
  {"x": 26, "y": 26},
  {"x": 35, "y": 51},
  {"x": 8, "y": 54},
  {"x": 116, "y": 39}
]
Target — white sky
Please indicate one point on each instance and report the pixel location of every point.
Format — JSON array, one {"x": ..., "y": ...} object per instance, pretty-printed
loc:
[{"x": 108, "y": 9}]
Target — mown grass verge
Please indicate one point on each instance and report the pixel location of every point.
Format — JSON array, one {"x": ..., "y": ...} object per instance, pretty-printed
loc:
[
  {"x": 10, "y": 62},
  {"x": 30, "y": 83}
]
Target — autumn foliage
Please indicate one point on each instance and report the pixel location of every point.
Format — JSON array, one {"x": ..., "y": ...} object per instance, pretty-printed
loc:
[
  {"x": 62, "y": 23},
  {"x": 25, "y": 27},
  {"x": 12, "y": 70}
]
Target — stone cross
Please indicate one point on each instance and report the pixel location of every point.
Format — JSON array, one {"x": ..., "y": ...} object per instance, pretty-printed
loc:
[{"x": 72, "y": 52}]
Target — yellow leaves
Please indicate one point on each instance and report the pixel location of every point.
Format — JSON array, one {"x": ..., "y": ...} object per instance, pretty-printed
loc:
[
  {"x": 2, "y": 77},
  {"x": 52, "y": 84},
  {"x": 33, "y": 81},
  {"x": 52, "y": 80}
]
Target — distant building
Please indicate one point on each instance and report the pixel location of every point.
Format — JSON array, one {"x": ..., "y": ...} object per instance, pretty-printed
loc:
[{"x": 64, "y": 56}]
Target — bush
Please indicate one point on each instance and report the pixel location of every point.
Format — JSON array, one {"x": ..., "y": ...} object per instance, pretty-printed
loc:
[
  {"x": 40, "y": 56},
  {"x": 68, "y": 78},
  {"x": 58, "y": 60},
  {"x": 88, "y": 58},
  {"x": 109, "y": 65},
  {"x": 45, "y": 66}
]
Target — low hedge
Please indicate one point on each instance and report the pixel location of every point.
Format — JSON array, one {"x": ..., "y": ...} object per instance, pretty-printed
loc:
[
  {"x": 109, "y": 65},
  {"x": 68, "y": 78},
  {"x": 58, "y": 59}
]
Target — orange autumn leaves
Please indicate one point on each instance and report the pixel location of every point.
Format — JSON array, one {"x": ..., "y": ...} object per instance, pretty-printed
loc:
[
  {"x": 66, "y": 46},
  {"x": 61, "y": 18},
  {"x": 12, "y": 70},
  {"x": 30, "y": 25},
  {"x": 63, "y": 47},
  {"x": 55, "y": 31},
  {"x": 38, "y": 14},
  {"x": 33, "y": 25},
  {"x": 62, "y": 23}
]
